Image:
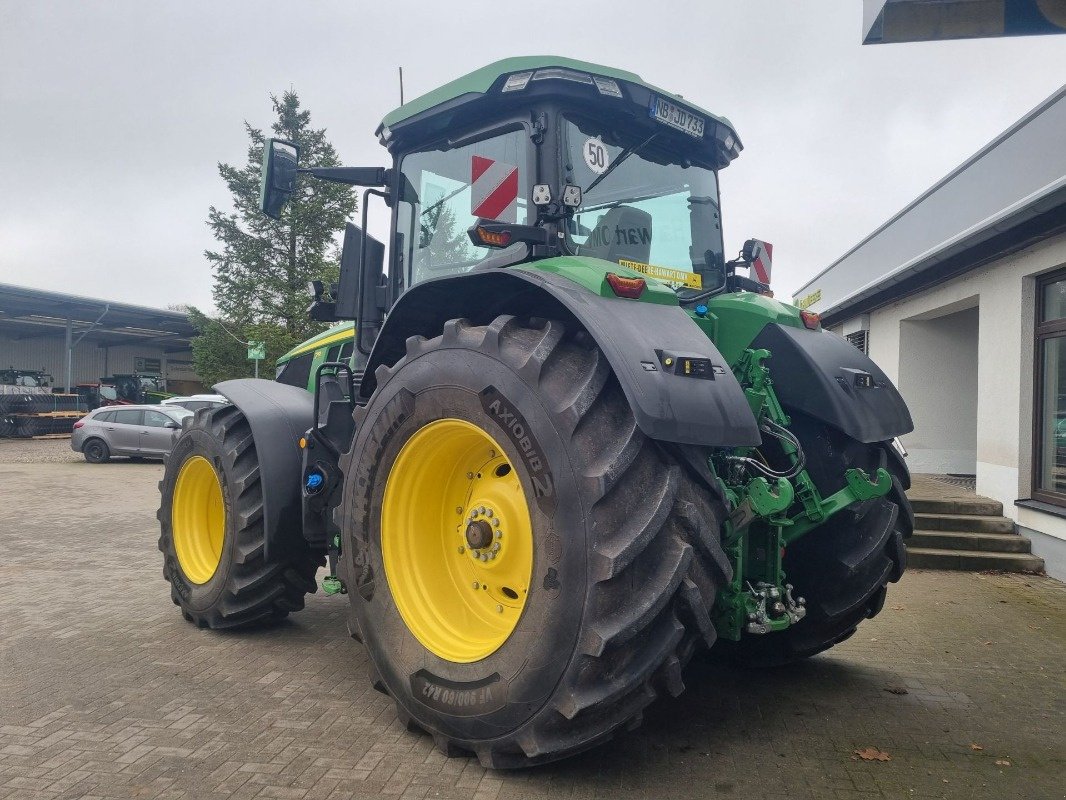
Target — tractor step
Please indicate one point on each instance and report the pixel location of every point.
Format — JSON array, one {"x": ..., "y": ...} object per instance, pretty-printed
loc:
[
  {"x": 972, "y": 560},
  {"x": 970, "y": 523},
  {"x": 970, "y": 540}
]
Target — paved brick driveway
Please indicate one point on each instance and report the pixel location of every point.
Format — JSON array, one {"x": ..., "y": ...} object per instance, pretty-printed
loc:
[{"x": 106, "y": 692}]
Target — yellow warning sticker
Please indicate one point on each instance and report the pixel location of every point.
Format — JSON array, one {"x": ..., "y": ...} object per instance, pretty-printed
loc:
[{"x": 679, "y": 276}]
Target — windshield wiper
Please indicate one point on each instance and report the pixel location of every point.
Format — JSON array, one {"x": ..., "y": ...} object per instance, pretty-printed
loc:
[{"x": 625, "y": 154}]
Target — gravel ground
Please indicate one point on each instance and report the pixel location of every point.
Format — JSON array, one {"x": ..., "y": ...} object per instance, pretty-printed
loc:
[{"x": 36, "y": 451}]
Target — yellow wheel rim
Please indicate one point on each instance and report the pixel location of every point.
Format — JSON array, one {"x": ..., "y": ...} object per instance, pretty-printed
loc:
[
  {"x": 456, "y": 540},
  {"x": 198, "y": 519}
]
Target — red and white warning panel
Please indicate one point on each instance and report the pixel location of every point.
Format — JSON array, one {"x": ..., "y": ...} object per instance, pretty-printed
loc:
[
  {"x": 761, "y": 261},
  {"x": 493, "y": 189}
]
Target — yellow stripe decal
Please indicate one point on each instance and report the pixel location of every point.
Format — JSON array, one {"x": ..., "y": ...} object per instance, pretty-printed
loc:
[
  {"x": 337, "y": 337},
  {"x": 690, "y": 279}
]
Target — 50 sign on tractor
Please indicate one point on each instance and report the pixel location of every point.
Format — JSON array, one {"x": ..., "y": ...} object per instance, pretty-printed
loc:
[{"x": 572, "y": 444}]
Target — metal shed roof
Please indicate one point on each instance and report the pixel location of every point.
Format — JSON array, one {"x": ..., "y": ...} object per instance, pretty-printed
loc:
[
  {"x": 27, "y": 313},
  {"x": 1010, "y": 193}
]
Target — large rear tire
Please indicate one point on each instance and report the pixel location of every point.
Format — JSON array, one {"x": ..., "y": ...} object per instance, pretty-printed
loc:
[
  {"x": 841, "y": 568},
  {"x": 211, "y": 529},
  {"x": 610, "y": 550}
]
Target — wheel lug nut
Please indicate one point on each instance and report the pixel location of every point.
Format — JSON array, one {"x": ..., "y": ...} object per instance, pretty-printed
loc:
[
  {"x": 488, "y": 512},
  {"x": 496, "y": 522},
  {"x": 481, "y": 509},
  {"x": 484, "y": 557},
  {"x": 499, "y": 609},
  {"x": 499, "y": 534},
  {"x": 476, "y": 584}
]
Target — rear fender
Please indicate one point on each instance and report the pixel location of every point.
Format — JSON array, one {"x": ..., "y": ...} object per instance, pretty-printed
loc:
[
  {"x": 278, "y": 415},
  {"x": 636, "y": 338},
  {"x": 825, "y": 377}
]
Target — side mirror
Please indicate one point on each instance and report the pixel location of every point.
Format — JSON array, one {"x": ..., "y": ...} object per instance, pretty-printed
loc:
[
  {"x": 278, "y": 177},
  {"x": 174, "y": 425}
]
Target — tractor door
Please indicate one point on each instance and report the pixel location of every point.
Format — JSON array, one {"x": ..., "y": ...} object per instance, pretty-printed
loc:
[{"x": 443, "y": 190}]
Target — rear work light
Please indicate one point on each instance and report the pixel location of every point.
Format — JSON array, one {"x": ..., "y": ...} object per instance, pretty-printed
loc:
[
  {"x": 626, "y": 287},
  {"x": 811, "y": 320}
]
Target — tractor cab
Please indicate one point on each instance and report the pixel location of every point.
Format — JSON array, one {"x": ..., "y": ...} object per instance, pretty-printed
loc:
[{"x": 526, "y": 159}]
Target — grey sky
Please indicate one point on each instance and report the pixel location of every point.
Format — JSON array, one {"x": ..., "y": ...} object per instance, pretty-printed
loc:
[{"x": 114, "y": 114}]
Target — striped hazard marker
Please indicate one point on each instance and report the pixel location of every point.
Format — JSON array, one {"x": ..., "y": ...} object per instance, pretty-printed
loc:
[
  {"x": 762, "y": 260},
  {"x": 493, "y": 189}
]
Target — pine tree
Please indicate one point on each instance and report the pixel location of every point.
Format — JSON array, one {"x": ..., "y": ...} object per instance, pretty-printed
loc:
[{"x": 263, "y": 267}]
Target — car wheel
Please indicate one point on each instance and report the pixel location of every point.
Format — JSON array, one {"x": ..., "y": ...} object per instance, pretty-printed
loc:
[{"x": 96, "y": 451}]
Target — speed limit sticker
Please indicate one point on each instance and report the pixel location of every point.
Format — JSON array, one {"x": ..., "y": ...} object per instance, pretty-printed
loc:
[{"x": 596, "y": 156}]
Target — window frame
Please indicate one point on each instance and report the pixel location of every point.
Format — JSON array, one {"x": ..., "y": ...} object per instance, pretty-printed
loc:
[
  {"x": 138, "y": 411},
  {"x": 399, "y": 269},
  {"x": 1044, "y": 332}
]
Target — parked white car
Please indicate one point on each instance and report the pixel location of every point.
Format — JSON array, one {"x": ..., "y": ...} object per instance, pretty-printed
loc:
[{"x": 194, "y": 402}]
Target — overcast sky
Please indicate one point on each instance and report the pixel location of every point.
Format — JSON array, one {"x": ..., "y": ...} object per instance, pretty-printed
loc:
[{"x": 113, "y": 115}]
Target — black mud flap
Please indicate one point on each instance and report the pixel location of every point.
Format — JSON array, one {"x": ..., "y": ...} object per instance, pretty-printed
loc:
[
  {"x": 679, "y": 386},
  {"x": 278, "y": 415},
  {"x": 825, "y": 377}
]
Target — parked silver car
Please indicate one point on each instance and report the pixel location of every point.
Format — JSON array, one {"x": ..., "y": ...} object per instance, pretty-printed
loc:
[{"x": 135, "y": 431}]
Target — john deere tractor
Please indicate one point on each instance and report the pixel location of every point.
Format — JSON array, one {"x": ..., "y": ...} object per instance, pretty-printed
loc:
[{"x": 574, "y": 444}]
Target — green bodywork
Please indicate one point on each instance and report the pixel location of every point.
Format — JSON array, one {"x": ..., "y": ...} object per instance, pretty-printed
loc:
[
  {"x": 480, "y": 81},
  {"x": 318, "y": 348}
]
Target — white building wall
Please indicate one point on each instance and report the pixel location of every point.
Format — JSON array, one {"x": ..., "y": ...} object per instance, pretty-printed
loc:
[{"x": 1004, "y": 294}]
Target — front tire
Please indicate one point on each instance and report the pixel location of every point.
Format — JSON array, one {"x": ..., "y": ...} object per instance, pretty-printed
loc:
[
  {"x": 617, "y": 554},
  {"x": 211, "y": 529}
]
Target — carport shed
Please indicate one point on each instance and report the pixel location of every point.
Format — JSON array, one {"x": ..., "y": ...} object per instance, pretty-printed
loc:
[{"x": 81, "y": 339}]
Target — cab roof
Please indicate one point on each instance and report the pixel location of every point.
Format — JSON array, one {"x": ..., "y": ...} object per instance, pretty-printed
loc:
[{"x": 480, "y": 81}]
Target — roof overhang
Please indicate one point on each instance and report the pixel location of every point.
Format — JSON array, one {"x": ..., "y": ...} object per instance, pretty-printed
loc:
[
  {"x": 894, "y": 21},
  {"x": 27, "y": 314}
]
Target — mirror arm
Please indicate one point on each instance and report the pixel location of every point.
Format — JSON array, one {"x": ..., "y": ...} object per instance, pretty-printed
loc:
[
  {"x": 353, "y": 176},
  {"x": 359, "y": 323}
]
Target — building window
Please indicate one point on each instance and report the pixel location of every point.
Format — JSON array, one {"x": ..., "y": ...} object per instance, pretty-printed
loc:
[
  {"x": 861, "y": 340},
  {"x": 1049, "y": 428}
]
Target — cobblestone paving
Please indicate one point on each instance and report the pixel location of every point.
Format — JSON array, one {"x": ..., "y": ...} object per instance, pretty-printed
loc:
[{"x": 106, "y": 692}]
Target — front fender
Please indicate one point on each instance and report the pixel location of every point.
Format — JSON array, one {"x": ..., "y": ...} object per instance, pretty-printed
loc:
[
  {"x": 636, "y": 337},
  {"x": 821, "y": 375},
  {"x": 278, "y": 415}
]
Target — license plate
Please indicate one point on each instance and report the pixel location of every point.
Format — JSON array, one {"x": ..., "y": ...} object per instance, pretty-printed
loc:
[{"x": 667, "y": 113}]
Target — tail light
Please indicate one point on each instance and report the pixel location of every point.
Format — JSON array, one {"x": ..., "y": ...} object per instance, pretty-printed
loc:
[
  {"x": 811, "y": 320},
  {"x": 78, "y": 424},
  {"x": 626, "y": 287}
]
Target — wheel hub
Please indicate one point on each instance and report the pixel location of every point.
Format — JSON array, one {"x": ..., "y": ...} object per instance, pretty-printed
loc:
[
  {"x": 478, "y": 534},
  {"x": 456, "y": 540}
]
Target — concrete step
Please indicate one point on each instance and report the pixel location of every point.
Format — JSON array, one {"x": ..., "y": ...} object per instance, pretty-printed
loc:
[
  {"x": 971, "y": 560},
  {"x": 971, "y": 523},
  {"x": 965, "y": 540},
  {"x": 980, "y": 506}
]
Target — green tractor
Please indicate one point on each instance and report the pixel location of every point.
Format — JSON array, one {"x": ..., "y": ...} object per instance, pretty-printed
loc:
[{"x": 573, "y": 446}]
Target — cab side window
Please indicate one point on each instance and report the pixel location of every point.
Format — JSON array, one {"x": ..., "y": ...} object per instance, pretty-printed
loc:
[{"x": 443, "y": 192}]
